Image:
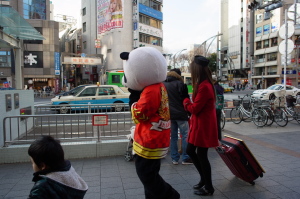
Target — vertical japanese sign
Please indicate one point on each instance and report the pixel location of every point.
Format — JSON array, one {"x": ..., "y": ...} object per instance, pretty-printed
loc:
[
  {"x": 109, "y": 15},
  {"x": 57, "y": 63}
]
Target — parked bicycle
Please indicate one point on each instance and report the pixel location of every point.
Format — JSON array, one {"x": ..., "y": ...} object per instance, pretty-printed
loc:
[{"x": 246, "y": 109}]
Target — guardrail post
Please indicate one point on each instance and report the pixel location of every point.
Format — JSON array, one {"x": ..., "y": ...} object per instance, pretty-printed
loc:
[{"x": 89, "y": 107}]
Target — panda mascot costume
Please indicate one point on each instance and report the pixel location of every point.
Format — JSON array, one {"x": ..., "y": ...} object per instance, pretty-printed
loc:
[{"x": 145, "y": 69}]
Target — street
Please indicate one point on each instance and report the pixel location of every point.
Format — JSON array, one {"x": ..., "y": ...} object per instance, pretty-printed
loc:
[{"x": 227, "y": 96}]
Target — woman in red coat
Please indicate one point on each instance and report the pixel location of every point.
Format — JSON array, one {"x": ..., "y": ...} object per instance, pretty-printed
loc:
[{"x": 203, "y": 123}]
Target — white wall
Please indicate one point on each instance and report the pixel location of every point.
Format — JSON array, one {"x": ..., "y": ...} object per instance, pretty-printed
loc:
[{"x": 26, "y": 99}]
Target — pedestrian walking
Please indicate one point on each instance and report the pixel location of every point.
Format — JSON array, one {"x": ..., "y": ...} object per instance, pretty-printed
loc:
[
  {"x": 177, "y": 92},
  {"x": 54, "y": 176},
  {"x": 145, "y": 70},
  {"x": 203, "y": 132},
  {"x": 220, "y": 100}
]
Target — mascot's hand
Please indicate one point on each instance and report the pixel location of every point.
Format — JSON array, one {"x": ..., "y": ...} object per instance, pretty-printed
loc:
[{"x": 185, "y": 92}]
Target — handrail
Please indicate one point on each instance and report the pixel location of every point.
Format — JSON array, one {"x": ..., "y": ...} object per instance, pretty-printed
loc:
[{"x": 25, "y": 128}]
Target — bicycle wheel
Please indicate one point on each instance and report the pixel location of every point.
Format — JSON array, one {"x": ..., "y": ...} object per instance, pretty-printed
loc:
[
  {"x": 236, "y": 115},
  {"x": 223, "y": 120},
  {"x": 280, "y": 117},
  {"x": 290, "y": 113},
  {"x": 259, "y": 117},
  {"x": 270, "y": 116},
  {"x": 296, "y": 114}
]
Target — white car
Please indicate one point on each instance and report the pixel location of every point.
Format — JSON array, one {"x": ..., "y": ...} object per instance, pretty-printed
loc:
[
  {"x": 268, "y": 94},
  {"x": 91, "y": 94}
]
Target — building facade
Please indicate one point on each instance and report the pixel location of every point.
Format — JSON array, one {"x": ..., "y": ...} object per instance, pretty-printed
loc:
[
  {"x": 109, "y": 30},
  {"x": 38, "y": 56},
  {"x": 250, "y": 43}
]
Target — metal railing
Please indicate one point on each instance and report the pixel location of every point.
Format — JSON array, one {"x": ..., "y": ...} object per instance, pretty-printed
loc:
[
  {"x": 65, "y": 127},
  {"x": 80, "y": 108}
]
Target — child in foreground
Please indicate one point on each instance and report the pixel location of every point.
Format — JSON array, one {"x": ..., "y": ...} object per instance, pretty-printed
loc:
[{"x": 54, "y": 176}]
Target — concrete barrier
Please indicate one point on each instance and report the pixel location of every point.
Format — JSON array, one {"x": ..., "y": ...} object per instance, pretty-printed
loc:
[{"x": 73, "y": 150}]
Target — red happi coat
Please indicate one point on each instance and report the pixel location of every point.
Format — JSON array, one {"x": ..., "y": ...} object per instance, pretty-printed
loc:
[
  {"x": 152, "y": 117},
  {"x": 203, "y": 122}
]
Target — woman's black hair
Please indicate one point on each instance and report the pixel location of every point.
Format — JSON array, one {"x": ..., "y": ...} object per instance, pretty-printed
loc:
[
  {"x": 46, "y": 150},
  {"x": 200, "y": 72}
]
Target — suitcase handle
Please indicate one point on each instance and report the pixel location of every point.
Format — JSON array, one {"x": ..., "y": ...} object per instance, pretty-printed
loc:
[{"x": 220, "y": 149}]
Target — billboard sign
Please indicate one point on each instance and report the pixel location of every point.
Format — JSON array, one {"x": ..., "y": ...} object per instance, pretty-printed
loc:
[
  {"x": 57, "y": 63},
  {"x": 33, "y": 59},
  {"x": 150, "y": 12},
  {"x": 109, "y": 15},
  {"x": 150, "y": 30}
]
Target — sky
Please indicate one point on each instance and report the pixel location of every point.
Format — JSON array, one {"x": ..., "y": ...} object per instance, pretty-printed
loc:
[{"x": 184, "y": 22}]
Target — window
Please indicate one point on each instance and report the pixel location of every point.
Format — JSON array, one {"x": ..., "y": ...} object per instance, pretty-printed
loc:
[
  {"x": 274, "y": 42},
  {"x": 88, "y": 92},
  {"x": 152, "y": 4},
  {"x": 144, "y": 19},
  {"x": 84, "y": 27},
  {"x": 34, "y": 9},
  {"x": 258, "y": 31},
  {"x": 260, "y": 58},
  {"x": 150, "y": 39},
  {"x": 259, "y": 71},
  {"x": 272, "y": 70},
  {"x": 150, "y": 21},
  {"x": 106, "y": 91},
  {"x": 266, "y": 43},
  {"x": 258, "y": 45},
  {"x": 83, "y": 11},
  {"x": 115, "y": 79},
  {"x": 259, "y": 18},
  {"x": 84, "y": 45},
  {"x": 272, "y": 57}
]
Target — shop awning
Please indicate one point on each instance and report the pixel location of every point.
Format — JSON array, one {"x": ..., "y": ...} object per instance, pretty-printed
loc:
[{"x": 13, "y": 24}]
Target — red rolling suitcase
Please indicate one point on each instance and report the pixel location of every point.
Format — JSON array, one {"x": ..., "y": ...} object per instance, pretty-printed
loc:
[{"x": 239, "y": 159}]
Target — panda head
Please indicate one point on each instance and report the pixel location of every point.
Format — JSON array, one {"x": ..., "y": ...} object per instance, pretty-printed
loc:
[{"x": 143, "y": 67}]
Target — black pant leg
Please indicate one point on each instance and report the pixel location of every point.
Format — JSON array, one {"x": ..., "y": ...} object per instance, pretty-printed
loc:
[
  {"x": 205, "y": 166},
  {"x": 191, "y": 151},
  {"x": 154, "y": 185}
]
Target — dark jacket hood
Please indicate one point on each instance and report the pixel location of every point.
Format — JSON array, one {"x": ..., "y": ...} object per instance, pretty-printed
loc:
[{"x": 172, "y": 76}]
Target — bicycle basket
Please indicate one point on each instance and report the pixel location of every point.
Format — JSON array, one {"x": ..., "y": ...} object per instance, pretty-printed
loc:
[
  {"x": 246, "y": 104},
  {"x": 290, "y": 100},
  {"x": 236, "y": 102}
]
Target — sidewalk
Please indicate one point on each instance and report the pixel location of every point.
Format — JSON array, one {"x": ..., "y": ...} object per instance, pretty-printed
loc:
[{"x": 276, "y": 148}]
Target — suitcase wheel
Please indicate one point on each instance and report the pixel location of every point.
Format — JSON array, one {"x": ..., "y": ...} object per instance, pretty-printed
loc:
[
  {"x": 252, "y": 183},
  {"x": 128, "y": 156},
  {"x": 261, "y": 175}
]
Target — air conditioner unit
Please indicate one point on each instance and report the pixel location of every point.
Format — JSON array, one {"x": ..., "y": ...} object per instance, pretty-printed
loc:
[{"x": 78, "y": 47}]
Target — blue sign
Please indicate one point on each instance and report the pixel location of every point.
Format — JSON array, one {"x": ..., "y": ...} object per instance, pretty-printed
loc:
[
  {"x": 83, "y": 55},
  {"x": 57, "y": 63},
  {"x": 135, "y": 25},
  {"x": 258, "y": 31},
  {"x": 266, "y": 29},
  {"x": 150, "y": 12}
]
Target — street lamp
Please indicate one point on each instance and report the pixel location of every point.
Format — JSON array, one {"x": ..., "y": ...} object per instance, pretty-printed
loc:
[
  {"x": 213, "y": 38},
  {"x": 174, "y": 57}
]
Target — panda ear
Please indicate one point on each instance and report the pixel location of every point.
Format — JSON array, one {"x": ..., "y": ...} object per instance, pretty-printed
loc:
[{"x": 124, "y": 55}]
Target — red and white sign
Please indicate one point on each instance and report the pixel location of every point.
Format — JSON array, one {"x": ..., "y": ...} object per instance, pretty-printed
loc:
[
  {"x": 100, "y": 120},
  {"x": 82, "y": 60}
]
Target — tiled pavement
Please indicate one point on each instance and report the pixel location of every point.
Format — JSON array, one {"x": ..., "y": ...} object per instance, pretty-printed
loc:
[{"x": 276, "y": 148}]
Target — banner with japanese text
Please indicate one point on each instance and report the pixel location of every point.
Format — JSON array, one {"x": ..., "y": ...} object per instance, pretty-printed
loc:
[{"x": 109, "y": 15}]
